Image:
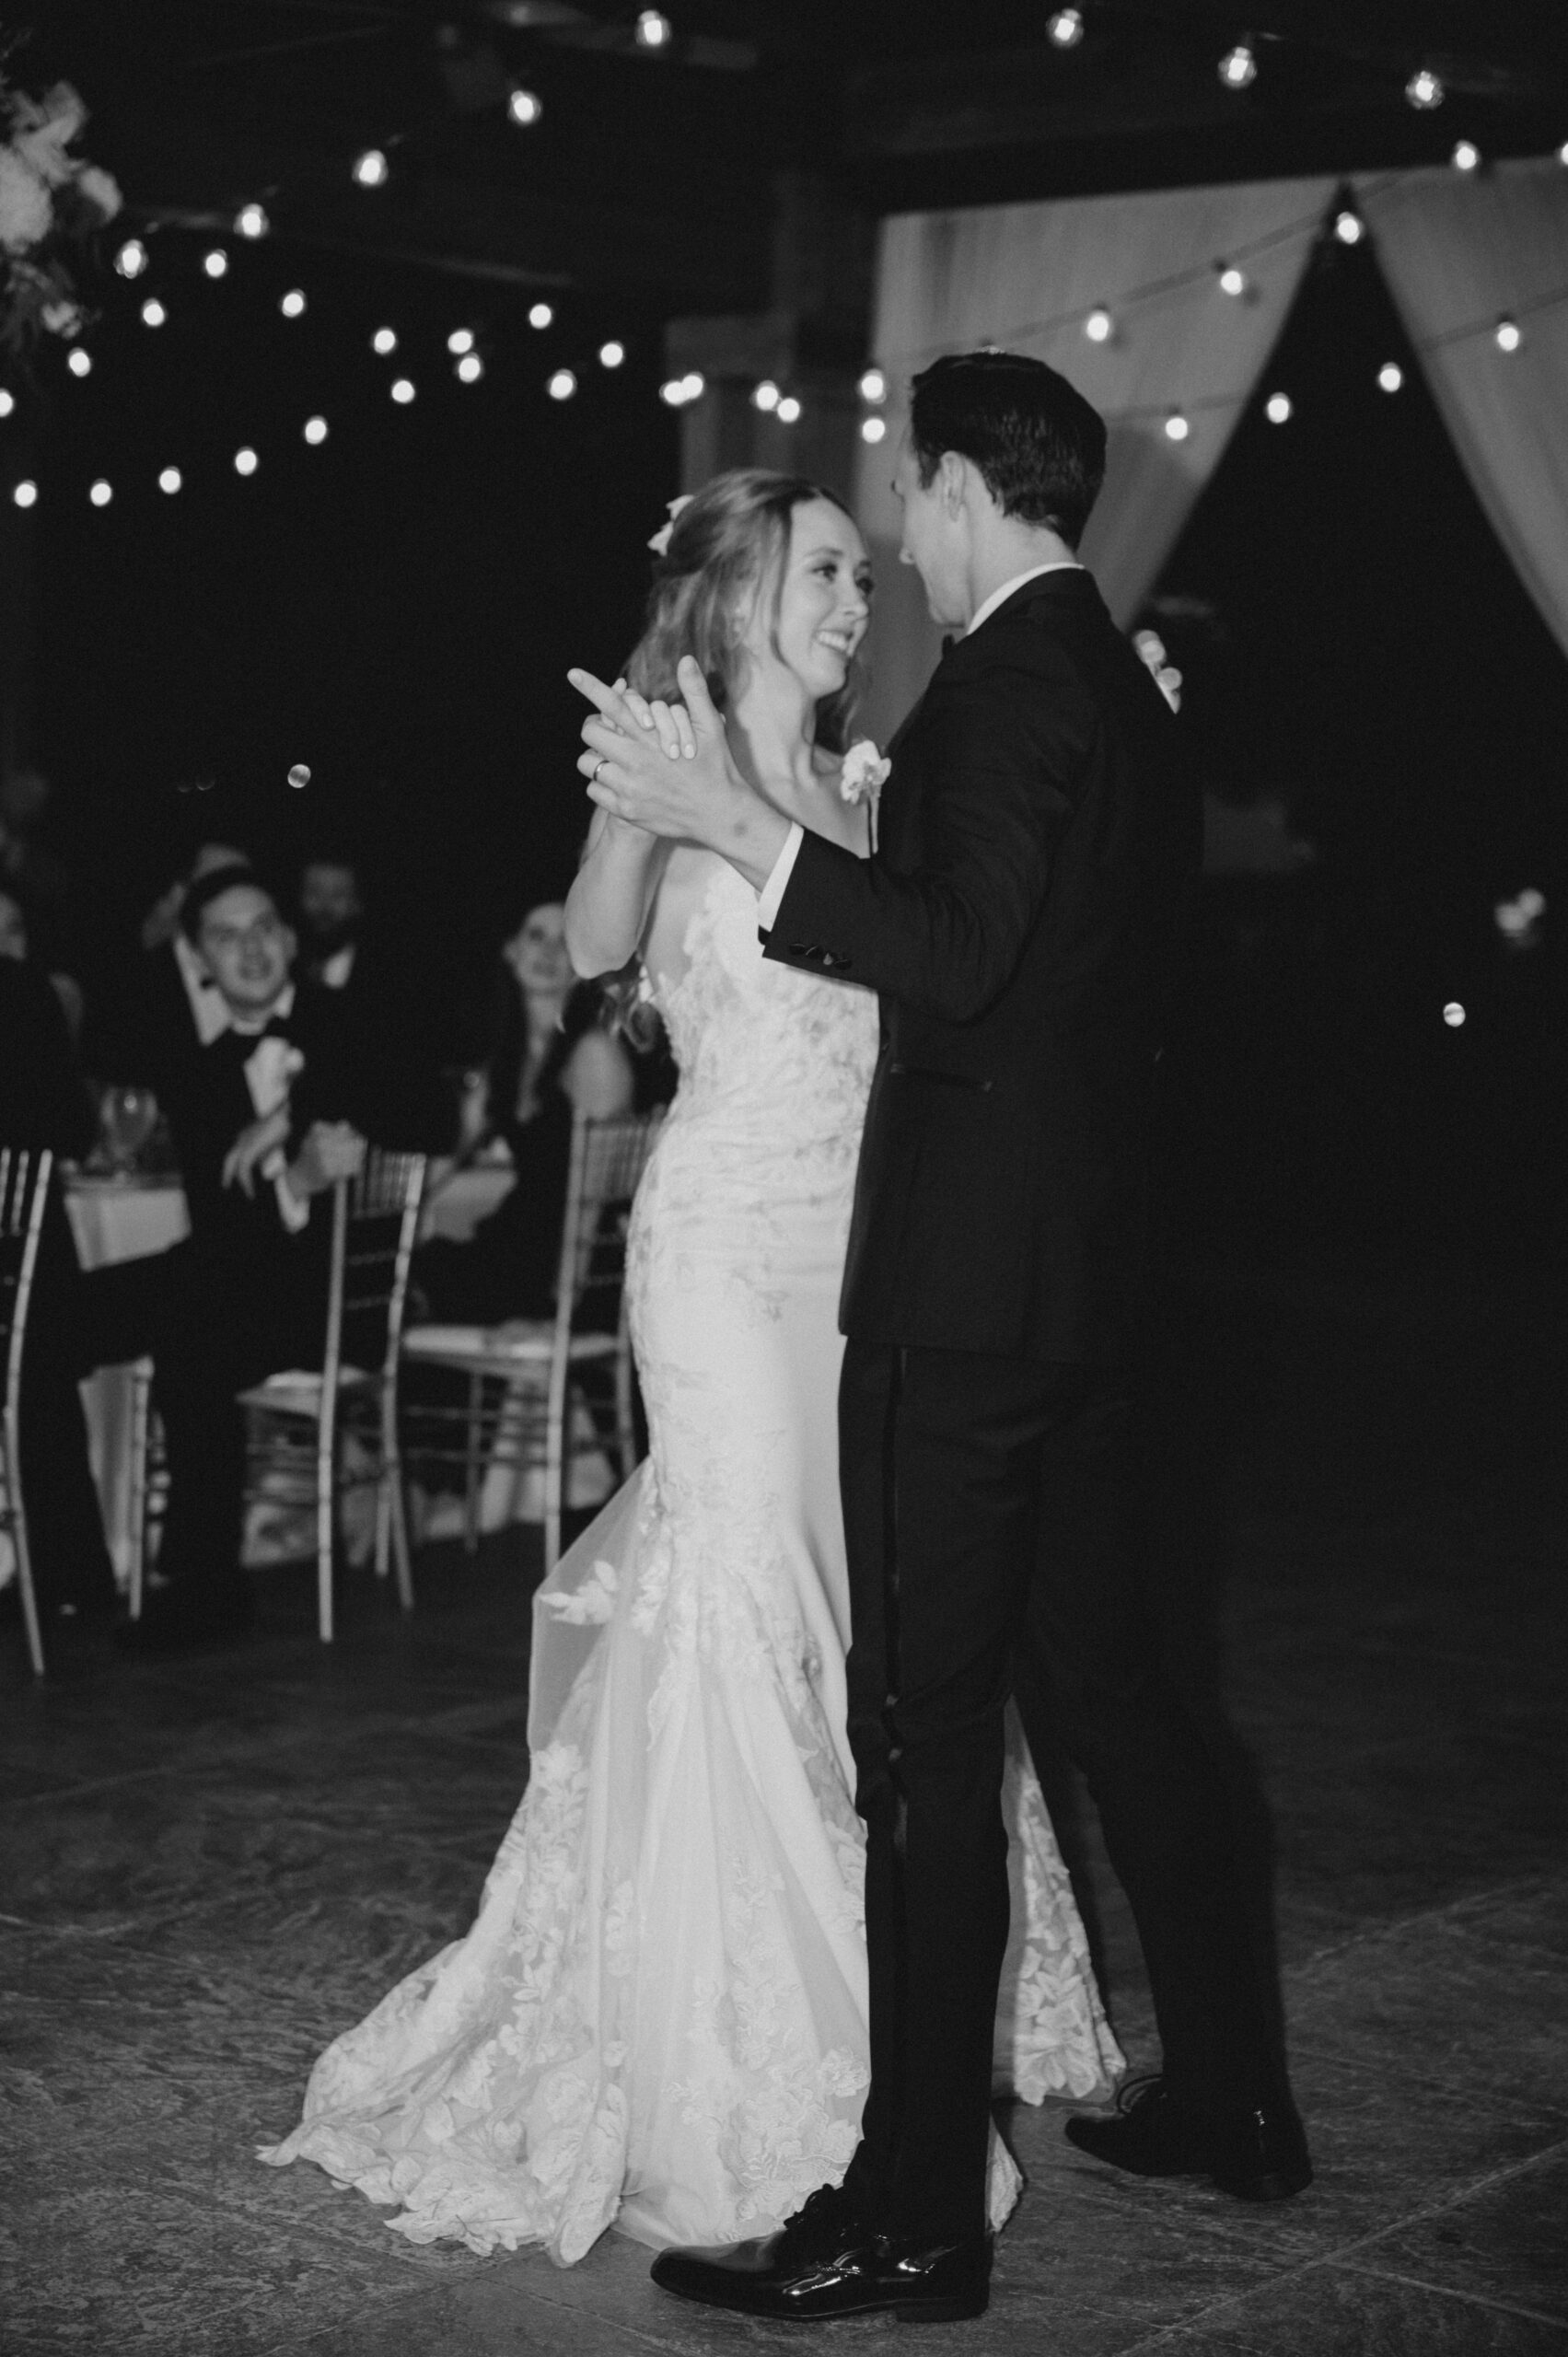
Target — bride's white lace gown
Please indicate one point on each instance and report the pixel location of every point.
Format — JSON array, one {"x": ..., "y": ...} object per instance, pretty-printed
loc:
[{"x": 658, "y": 2016}]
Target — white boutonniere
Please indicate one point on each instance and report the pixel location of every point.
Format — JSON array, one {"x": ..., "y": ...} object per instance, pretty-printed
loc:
[
  {"x": 271, "y": 1070},
  {"x": 660, "y": 541},
  {"x": 864, "y": 774}
]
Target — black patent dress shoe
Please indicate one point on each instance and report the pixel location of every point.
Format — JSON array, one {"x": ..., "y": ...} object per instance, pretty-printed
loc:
[
  {"x": 1258, "y": 2156},
  {"x": 826, "y": 2262}
]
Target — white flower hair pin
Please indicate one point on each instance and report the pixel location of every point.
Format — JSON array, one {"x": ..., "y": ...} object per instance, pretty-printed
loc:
[
  {"x": 864, "y": 774},
  {"x": 660, "y": 541}
]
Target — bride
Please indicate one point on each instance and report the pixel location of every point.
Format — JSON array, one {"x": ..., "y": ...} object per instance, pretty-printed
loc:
[{"x": 658, "y": 2018}]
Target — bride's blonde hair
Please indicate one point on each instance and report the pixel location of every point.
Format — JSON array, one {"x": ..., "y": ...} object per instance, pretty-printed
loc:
[{"x": 724, "y": 546}]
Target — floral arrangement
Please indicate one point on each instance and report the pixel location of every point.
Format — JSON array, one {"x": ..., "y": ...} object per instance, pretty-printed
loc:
[
  {"x": 864, "y": 772},
  {"x": 50, "y": 199}
]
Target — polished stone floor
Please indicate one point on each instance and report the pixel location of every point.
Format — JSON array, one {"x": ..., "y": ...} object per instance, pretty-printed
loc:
[{"x": 211, "y": 1867}]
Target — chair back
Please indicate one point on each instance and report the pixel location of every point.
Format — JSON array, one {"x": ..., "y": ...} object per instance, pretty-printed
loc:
[
  {"x": 375, "y": 1221},
  {"x": 24, "y": 1189},
  {"x": 607, "y": 1159}
]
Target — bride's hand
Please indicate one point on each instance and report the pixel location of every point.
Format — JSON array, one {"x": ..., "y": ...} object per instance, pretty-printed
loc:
[{"x": 682, "y": 786}]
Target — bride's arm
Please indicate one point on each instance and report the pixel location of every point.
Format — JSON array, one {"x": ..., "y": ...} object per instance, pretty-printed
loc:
[{"x": 607, "y": 906}]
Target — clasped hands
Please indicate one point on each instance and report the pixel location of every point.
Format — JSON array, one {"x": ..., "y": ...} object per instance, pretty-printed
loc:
[
  {"x": 331, "y": 1150},
  {"x": 668, "y": 769}
]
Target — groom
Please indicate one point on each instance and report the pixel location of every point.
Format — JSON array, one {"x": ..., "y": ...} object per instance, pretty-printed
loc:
[{"x": 1017, "y": 921}]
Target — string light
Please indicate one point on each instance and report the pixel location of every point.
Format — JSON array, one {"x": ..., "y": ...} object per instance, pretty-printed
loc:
[
  {"x": 471, "y": 369},
  {"x": 872, "y": 429},
  {"x": 170, "y": 480},
  {"x": 299, "y": 776},
  {"x": 1465, "y": 156},
  {"x": 524, "y": 108},
  {"x": 315, "y": 431},
  {"x": 1238, "y": 67},
  {"x": 1349, "y": 227},
  {"x": 1390, "y": 376},
  {"x": 873, "y": 389},
  {"x": 541, "y": 316},
  {"x": 1277, "y": 408},
  {"x": 1176, "y": 426},
  {"x": 384, "y": 340},
  {"x": 653, "y": 30},
  {"x": 1425, "y": 90},
  {"x": 245, "y": 461},
  {"x": 1098, "y": 325},
  {"x": 79, "y": 363},
  {"x": 251, "y": 221},
  {"x": 132, "y": 259},
  {"x": 7, "y": 401},
  {"x": 561, "y": 385},
  {"x": 1562, "y": 153},
  {"x": 1232, "y": 281},
  {"x": 1454, "y": 1014},
  {"x": 215, "y": 263},
  {"x": 612, "y": 354},
  {"x": 1507, "y": 336},
  {"x": 153, "y": 312},
  {"x": 694, "y": 385},
  {"x": 292, "y": 305},
  {"x": 371, "y": 168},
  {"x": 460, "y": 340},
  {"x": 788, "y": 410},
  {"x": 765, "y": 396},
  {"x": 401, "y": 390},
  {"x": 1066, "y": 27},
  {"x": 101, "y": 493},
  {"x": 26, "y": 494}
]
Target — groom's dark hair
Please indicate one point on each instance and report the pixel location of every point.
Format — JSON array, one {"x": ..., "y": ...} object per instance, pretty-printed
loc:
[{"x": 1039, "y": 445}]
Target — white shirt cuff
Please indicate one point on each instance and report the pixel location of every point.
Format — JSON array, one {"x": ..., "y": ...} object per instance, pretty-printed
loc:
[
  {"x": 772, "y": 891},
  {"x": 294, "y": 1214}
]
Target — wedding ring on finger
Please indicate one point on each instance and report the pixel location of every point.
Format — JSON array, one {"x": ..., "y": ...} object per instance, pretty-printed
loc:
[{"x": 599, "y": 765}]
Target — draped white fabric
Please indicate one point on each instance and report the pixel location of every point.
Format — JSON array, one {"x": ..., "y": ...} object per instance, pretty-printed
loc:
[
  {"x": 1461, "y": 250},
  {"x": 1026, "y": 276}
]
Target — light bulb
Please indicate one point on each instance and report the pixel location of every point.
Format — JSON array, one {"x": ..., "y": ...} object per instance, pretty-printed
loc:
[
  {"x": 26, "y": 494},
  {"x": 1277, "y": 408},
  {"x": 1465, "y": 156},
  {"x": 765, "y": 395},
  {"x": 7, "y": 401},
  {"x": 215, "y": 263},
  {"x": 524, "y": 108},
  {"x": 612, "y": 354},
  {"x": 251, "y": 221},
  {"x": 101, "y": 493},
  {"x": 132, "y": 259},
  {"x": 153, "y": 312},
  {"x": 370, "y": 169},
  {"x": 1453, "y": 1015},
  {"x": 471, "y": 369},
  {"x": 788, "y": 410},
  {"x": 1098, "y": 325},
  {"x": 561, "y": 385},
  {"x": 1390, "y": 376},
  {"x": 385, "y": 340},
  {"x": 292, "y": 305},
  {"x": 874, "y": 386},
  {"x": 673, "y": 391},
  {"x": 299, "y": 776},
  {"x": 1232, "y": 281},
  {"x": 1508, "y": 336},
  {"x": 1176, "y": 426},
  {"x": 314, "y": 430},
  {"x": 1425, "y": 90},
  {"x": 1238, "y": 67},
  {"x": 872, "y": 429},
  {"x": 1066, "y": 27},
  {"x": 1349, "y": 227},
  {"x": 245, "y": 462},
  {"x": 401, "y": 390},
  {"x": 694, "y": 385},
  {"x": 79, "y": 363},
  {"x": 653, "y": 30},
  {"x": 540, "y": 316},
  {"x": 170, "y": 480},
  {"x": 460, "y": 340}
]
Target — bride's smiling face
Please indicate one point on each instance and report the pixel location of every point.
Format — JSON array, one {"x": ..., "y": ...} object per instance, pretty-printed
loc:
[{"x": 823, "y": 604}]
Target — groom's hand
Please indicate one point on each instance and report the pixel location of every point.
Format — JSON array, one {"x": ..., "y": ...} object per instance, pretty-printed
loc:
[{"x": 677, "y": 778}]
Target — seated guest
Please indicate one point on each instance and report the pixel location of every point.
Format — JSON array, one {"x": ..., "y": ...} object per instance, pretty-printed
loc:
[
  {"x": 175, "y": 1002},
  {"x": 44, "y": 1103},
  {"x": 261, "y": 1118},
  {"x": 384, "y": 1027},
  {"x": 552, "y": 1058},
  {"x": 332, "y": 919}
]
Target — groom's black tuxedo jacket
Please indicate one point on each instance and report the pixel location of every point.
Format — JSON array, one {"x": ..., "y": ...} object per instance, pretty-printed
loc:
[{"x": 1019, "y": 920}]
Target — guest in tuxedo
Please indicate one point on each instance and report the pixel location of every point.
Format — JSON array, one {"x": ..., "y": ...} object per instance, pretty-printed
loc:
[
  {"x": 44, "y": 1103},
  {"x": 172, "y": 1005},
  {"x": 260, "y": 1121}
]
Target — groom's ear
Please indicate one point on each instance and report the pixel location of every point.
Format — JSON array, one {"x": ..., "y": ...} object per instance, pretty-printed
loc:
[{"x": 952, "y": 474}]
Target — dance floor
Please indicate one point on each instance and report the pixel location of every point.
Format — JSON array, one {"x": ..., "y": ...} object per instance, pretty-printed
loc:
[{"x": 211, "y": 1867}]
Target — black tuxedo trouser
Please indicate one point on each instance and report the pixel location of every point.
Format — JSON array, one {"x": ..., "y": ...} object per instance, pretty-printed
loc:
[{"x": 994, "y": 1506}]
